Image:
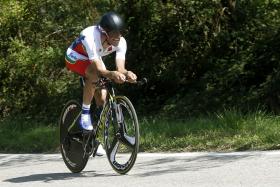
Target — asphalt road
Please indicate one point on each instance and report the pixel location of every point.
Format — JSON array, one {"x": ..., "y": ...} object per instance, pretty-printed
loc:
[{"x": 174, "y": 169}]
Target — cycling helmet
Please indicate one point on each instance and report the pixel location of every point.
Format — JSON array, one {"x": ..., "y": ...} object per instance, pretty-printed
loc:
[{"x": 111, "y": 22}]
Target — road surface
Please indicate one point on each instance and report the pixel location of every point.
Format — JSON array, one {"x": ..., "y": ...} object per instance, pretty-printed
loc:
[{"x": 150, "y": 169}]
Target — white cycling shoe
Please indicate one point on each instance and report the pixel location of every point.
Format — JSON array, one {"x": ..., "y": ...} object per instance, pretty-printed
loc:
[
  {"x": 100, "y": 151},
  {"x": 85, "y": 122}
]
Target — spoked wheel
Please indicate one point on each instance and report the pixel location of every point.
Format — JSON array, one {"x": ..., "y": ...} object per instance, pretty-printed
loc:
[
  {"x": 122, "y": 136},
  {"x": 71, "y": 138}
]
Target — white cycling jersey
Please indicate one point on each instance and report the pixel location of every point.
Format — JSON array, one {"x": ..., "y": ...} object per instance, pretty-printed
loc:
[{"x": 88, "y": 46}]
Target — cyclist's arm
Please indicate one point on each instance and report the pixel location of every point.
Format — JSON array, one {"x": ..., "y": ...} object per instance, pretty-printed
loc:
[
  {"x": 98, "y": 66},
  {"x": 100, "y": 69},
  {"x": 120, "y": 56},
  {"x": 120, "y": 64},
  {"x": 130, "y": 76}
]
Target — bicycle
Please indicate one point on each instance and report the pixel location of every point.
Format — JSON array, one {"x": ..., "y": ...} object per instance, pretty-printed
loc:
[{"x": 119, "y": 124}]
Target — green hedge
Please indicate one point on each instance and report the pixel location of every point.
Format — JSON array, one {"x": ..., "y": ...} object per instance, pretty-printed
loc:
[{"x": 199, "y": 56}]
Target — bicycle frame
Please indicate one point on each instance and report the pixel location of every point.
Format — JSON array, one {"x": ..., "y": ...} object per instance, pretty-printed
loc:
[
  {"x": 109, "y": 104},
  {"x": 117, "y": 124},
  {"x": 110, "y": 99}
]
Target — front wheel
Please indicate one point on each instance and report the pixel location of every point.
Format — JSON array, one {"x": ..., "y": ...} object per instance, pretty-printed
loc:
[{"x": 121, "y": 134}]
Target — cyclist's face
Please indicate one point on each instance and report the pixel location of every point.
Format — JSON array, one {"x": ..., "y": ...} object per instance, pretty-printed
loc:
[{"x": 114, "y": 38}]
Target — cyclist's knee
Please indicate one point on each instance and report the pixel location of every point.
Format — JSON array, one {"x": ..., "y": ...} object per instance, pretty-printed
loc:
[
  {"x": 91, "y": 75},
  {"x": 100, "y": 102},
  {"x": 100, "y": 97},
  {"x": 91, "y": 82}
]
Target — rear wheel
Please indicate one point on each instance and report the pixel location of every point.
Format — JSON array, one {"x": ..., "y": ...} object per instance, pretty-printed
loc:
[
  {"x": 71, "y": 138},
  {"x": 121, "y": 135}
]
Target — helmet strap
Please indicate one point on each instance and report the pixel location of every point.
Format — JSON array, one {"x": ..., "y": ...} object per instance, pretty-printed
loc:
[
  {"x": 105, "y": 33},
  {"x": 106, "y": 40}
]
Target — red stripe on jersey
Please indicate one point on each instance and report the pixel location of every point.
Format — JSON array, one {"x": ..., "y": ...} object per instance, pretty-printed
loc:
[{"x": 79, "y": 48}]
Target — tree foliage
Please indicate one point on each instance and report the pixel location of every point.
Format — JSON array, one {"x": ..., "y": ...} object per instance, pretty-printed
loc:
[{"x": 199, "y": 56}]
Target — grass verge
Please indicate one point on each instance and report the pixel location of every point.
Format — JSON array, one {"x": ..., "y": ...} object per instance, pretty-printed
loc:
[
  {"x": 21, "y": 135},
  {"x": 226, "y": 131}
]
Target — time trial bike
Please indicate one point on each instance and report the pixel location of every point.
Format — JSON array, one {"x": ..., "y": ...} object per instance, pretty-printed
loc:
[{"x": 117, "y": 128}]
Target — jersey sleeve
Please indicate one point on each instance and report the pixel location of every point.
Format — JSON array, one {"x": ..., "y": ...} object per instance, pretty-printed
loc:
[
  {"x": 90, "y": 46},
  {"x": 121, "y": 51}
]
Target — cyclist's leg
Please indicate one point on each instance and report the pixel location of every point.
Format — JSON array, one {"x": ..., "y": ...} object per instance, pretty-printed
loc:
[
  {"x": 100, "y": 97},
  {"x": 89, "y": 92},
  {"x": 82, "y": 66},
  {"x": 90, "y": 84},
  {"x": 91, "y": 80}
]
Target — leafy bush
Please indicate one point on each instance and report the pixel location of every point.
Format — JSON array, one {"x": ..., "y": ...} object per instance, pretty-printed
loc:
[{"x": 199, "y": 56}]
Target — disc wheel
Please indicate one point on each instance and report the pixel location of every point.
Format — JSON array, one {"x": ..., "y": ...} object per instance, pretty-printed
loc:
[{"x": 71, "y": 138}]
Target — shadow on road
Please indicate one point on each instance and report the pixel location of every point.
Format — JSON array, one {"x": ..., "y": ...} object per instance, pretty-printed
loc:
[
  {"x": 15, "y": 161},
  {"x": 144, "y": 167},
  {"x": 48, "y": 177},
  {"x": 168, "y": 165},
  {"x": 18, "y": 159}
]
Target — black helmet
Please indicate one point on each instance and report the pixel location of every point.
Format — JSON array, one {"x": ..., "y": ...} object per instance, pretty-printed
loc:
[{"x": 111, "y": 22}]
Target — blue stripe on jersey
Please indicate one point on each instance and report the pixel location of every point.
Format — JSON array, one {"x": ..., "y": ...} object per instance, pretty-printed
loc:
[{"x": 77, "y": 41}]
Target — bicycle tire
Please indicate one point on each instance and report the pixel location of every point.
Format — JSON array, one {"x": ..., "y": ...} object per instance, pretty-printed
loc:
[
  {"x": 110, "y": 145},
  {"x": 71, "y": 149}
]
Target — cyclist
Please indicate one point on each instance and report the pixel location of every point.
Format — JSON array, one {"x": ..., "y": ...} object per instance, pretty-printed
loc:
[{"x": 84, "y": 57}]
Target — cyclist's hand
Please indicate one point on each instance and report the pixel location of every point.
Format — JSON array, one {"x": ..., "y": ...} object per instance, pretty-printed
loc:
[
  {"x": 118, "y": 77},
  {"x": 131, "y": 77}
]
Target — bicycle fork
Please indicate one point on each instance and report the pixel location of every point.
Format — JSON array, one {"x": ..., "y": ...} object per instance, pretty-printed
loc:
[
  {"x": 118, "y": 117},
  {"x": 121, "y": 132},
  {"x": 122, "y": 128}
]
